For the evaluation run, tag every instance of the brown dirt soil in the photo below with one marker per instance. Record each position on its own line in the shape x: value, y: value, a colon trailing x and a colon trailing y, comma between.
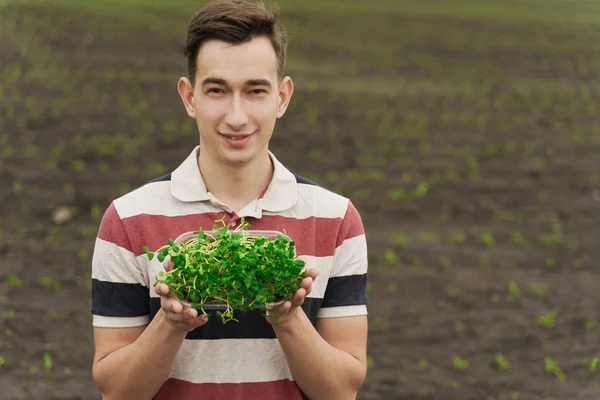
x: 439, y: 292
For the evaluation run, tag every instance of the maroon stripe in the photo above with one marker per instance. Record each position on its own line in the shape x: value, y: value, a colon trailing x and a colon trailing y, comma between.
x: 352, y: 225
x: 313, y: 236
x: 112, y: 229
x: 175, y: 389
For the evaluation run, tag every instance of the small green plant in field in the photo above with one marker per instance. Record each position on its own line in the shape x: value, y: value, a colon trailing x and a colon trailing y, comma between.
x: 392, y: 287
x: 231, y: 268
x: 513, y: 291
x: 589, y: 325
x: 14, y: 282
x: 370, y: 362
x: 49, y: 283
x: 455, y: 292
x: 550, y: 262
x: 459, y: 363
x: 403, y: 194
x: 458, y: 238
x: 95, y: 212
x: 547, y: 320
x: 17, y: 187
x: 519, y: 240
x: 400, y: 240
x: 444, y: 262
x: 538, y: 289
x: 390, y: 258
x: 2, y: 361
x: 9, y: 314
x: 484, y: 260
x: 459, y: 327
x: 428, y: 237
x: 592, y: 365
x: 451, y: 384
x: 83, y: 255
x: 47, y: 362
x: 487, y: 239
x: 502, y: 363
x: 422, y: 364
x: 553, y: 368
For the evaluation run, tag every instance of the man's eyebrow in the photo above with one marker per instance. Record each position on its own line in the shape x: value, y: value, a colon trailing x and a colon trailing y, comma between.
x: 258, y: 82
x: 250, y: 82
x: 214, y: 81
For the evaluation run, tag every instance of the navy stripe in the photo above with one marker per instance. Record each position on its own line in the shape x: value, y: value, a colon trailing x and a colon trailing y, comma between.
x: 112, y: 299
x: 301, y: 179
x: 252, y: 325
x: 345, y: 291
x: 163, y: 178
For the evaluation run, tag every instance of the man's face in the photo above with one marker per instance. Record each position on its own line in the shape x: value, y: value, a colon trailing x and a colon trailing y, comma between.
x: 236, y: 99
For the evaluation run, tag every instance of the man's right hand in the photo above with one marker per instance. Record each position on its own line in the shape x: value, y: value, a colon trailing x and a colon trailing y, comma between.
x: 182, y: 318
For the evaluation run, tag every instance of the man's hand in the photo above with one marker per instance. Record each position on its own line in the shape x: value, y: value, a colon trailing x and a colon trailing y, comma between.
x: 282, y: 313
x: 181, y: 318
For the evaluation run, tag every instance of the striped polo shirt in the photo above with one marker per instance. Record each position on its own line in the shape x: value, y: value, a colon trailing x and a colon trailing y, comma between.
x: 236, y: 360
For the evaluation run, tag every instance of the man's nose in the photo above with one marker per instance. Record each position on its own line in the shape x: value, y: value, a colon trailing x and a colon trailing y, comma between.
x: 236, y: 116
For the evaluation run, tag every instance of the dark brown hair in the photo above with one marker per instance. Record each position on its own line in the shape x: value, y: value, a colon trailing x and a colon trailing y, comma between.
x: 235, y: 22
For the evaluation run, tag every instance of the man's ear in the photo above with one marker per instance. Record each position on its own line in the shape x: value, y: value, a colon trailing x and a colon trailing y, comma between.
x: 186, y: 92
x: 286, y: 89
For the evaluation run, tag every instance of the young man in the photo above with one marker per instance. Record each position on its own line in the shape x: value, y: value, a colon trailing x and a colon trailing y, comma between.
x: 314, y: 345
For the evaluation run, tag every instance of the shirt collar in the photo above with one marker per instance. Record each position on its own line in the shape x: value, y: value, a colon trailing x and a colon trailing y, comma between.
x: 187, y: 184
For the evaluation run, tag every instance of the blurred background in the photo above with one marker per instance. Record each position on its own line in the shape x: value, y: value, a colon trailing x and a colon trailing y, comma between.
x: 467, y: 132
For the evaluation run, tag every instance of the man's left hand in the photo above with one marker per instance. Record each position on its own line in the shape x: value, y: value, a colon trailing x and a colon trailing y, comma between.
x: 284, y: 312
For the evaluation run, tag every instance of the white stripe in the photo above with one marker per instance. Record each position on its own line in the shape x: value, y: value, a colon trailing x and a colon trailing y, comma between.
x: 156, y: 199
x: 119, y: 322
x: 112, y: 263
x: 230, y: 361
x: 330, y: 205
x: 342, y: 311
x: 350, y: 258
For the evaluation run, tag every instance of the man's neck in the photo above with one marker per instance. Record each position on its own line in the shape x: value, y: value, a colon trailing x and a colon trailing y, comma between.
x: 233, y: 185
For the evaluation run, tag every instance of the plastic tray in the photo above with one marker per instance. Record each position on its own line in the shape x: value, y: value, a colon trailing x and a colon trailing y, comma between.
x: 245, y: 233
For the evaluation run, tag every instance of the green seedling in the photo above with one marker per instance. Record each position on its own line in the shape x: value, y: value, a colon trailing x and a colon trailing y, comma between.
x: 553, y: 368
x: 427, y: 237
x: 458, y: 238
x: 444, y: 262
x: 231, y: 268
x: 400, y: 240
x: 513, y: 291
x: 501, y: 362
x: 519, y: 240
x: 390, y: 257
x: 592, y: 365
x: 2, y: 361
x: 370, y: 362
x: 422, y: 364
x: 459, y: 327
x: 487, y: 239
x: 49, y: 283
x: 589, y: 325
x: 47, y: 361
x: 14, y: 282
x: 459, y: 363
x: 538, y: 289
x: 547, y: 320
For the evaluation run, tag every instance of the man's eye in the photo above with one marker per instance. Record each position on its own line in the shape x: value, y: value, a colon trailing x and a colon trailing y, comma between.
x: 258, y: 91
x: 215, y: 90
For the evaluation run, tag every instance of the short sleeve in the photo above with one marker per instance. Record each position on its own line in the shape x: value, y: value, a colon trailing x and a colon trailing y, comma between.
x: 120, y: 295
x: 345, y: 294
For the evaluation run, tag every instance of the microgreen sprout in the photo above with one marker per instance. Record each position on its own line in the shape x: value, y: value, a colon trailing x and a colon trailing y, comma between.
x: 232, y: 268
